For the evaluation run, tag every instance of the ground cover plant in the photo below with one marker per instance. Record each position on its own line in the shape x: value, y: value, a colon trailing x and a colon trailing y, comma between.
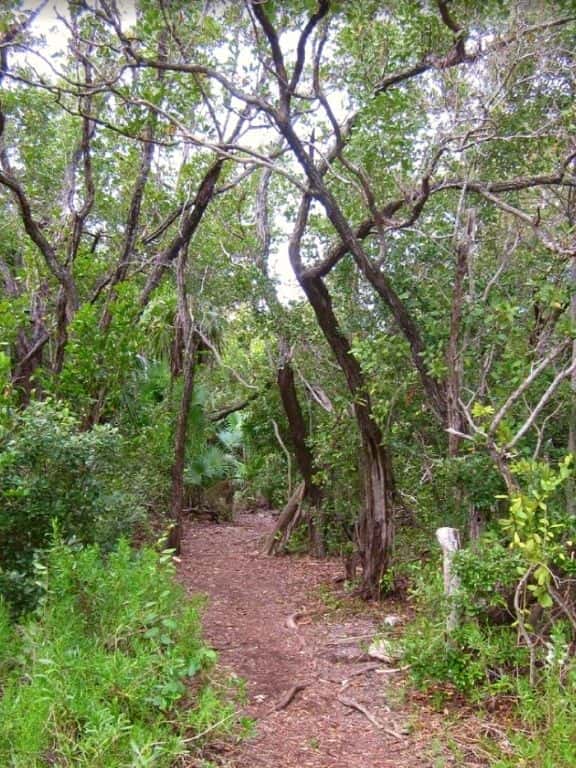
x: 102, y: 673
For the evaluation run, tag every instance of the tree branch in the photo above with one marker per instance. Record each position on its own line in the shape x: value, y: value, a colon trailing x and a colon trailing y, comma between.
x: 528, y: 381
x: 541, y: 404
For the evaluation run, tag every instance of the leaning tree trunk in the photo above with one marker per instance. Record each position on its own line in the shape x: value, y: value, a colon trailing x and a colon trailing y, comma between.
x: 312, y: 493
x: 299, y: 434
x: 376, y: 523
x: 375, y: 532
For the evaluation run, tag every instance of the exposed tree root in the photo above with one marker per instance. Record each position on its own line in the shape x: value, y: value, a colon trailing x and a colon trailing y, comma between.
x: 289, y: 516
x: 364, y: 670
x: 353, y: 704
x: 288, y: 697
x: 292, y: 620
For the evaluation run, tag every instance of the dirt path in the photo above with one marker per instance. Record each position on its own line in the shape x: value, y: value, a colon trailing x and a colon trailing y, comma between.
x: 248, y: 621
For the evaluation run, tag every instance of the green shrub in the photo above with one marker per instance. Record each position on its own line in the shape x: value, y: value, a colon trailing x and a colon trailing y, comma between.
x: 488, y: 575
x: 99, y: 677
x: 7, y: 638
x: 482, y: 657
x: 478, y: 657
x: 52, y: 471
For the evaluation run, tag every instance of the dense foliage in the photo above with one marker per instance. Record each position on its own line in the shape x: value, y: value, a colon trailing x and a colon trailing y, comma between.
x: 316, y: 252
x: 53, y: 476
x: 97, y: 677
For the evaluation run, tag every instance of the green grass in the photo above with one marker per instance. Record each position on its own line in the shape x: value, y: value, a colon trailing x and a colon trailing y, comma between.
x: 101, y: 675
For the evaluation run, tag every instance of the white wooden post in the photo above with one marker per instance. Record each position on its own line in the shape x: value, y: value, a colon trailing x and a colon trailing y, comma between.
x: 449, y: 540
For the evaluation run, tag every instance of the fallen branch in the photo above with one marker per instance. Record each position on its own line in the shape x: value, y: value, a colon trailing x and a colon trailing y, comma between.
x: 351, y: 639
x: 368, y: 668
x: 282, y: 527
x: 210, y: 728
x: 235, y: 407
x: 394, y: 670
x: 380, y: 669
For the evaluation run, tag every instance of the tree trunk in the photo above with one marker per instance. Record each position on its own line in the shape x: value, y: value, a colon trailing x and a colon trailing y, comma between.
x: 376, y: 526
x: 302, y: 452
x: 376, y: 529
x: 449, y: 540
x: 177, y: 496
x: 454, y: 417
x: 375, y: 532
x: 28, y: 353
x: 186, y: 334
x: 455, y: 421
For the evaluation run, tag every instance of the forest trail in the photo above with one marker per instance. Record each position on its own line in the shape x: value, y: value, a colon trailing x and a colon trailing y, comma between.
x: 254, y: 605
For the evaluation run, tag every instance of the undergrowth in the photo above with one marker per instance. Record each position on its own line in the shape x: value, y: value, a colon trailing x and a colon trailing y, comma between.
x: 53, y: 471
x: 111, y: 670
x: 483, y: 658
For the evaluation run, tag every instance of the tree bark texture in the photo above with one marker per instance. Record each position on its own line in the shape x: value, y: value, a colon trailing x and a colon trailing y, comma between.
x: 302, y: 452
x: 449, y: 540
x: 177, y: 496
x: 190, y: 339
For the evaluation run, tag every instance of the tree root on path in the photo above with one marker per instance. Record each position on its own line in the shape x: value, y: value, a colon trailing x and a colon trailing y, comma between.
x: 288, y: 697
x: 292, y: 620
x: 369, y: 668
x: 353, y: 704
x: 351, y: 639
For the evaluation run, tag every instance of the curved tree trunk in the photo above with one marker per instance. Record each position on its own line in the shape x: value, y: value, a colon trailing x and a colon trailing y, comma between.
x: 376, y: 523
x: 376, y: 528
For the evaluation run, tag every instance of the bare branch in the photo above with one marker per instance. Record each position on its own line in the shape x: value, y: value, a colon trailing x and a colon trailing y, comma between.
x: 541, y: 404
x: 34, y: 232
x: 323, y: 8
x: 528, y: 381
x: 221, y: 363
x: 277, y: 55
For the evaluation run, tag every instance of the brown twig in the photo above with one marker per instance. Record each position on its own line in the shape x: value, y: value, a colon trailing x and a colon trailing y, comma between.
x: 368, y: 668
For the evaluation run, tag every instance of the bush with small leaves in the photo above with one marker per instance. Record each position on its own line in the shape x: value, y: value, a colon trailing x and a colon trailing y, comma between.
x: 52, y: 472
